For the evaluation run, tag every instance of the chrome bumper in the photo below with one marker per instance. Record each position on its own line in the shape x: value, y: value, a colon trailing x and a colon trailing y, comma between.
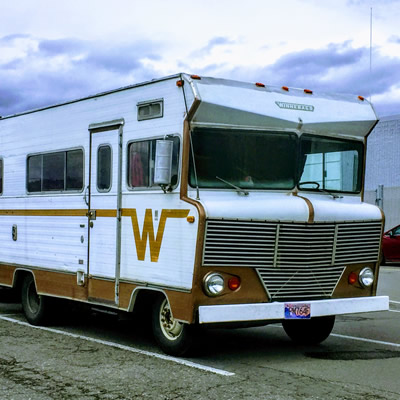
x: 276, y: 310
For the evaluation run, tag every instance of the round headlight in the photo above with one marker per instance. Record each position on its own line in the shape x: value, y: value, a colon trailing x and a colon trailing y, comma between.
x: 214, y: 284
x: 366, y: 277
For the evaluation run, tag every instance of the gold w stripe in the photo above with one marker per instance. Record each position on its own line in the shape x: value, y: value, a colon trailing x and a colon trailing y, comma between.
x: 148, y: 230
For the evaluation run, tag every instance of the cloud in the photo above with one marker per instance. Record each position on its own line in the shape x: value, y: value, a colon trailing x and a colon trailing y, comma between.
x: 61, y: 46
x: 38, y: 72
x: 337, y: 68
x: 213, y: 43
x: 394, y: 39
x: 53, y: 71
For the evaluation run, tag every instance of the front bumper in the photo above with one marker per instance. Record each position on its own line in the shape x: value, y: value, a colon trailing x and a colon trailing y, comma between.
x: 276, y: 310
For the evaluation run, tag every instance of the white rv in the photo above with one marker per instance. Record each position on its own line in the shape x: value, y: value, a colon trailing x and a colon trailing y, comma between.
x: 217, y: 201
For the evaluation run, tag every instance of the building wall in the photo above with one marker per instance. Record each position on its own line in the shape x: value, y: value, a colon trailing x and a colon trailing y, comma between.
x: 383, y: 169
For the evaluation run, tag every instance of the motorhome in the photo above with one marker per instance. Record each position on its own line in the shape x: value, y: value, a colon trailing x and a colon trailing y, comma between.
x: 213, y: 201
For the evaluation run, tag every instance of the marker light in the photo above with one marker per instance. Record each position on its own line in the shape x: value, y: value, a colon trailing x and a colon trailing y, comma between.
x: 353, y: 278
x: 195, y: 76
x: 234, y: 283
x: 180, y: 83
x: 285, y: 88
x: 214, y: 284
x: 361, y: 98
x: 308, y: 91
x: 190, y: 219
x: 366, y: 277
x: 259, y: 84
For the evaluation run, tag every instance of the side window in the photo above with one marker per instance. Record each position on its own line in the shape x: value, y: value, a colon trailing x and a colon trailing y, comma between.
x: 53, y: 171
x: 141, y: 158
x: 150, y: 109
x: 74, y: 173
x: 139, y: 164
x: 34, y: 174
x: 1, y: 176
x: 104, y: 168
x: 60, y: 171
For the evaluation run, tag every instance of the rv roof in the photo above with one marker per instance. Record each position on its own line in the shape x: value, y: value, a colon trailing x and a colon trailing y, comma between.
x: 230, y: 102
x: 175, y: 76
x: 233, y: 103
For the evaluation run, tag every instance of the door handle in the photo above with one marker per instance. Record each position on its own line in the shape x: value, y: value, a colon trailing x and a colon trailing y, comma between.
x: 85, y: 196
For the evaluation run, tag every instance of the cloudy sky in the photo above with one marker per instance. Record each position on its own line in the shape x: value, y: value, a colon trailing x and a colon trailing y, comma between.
x: 55, y: 50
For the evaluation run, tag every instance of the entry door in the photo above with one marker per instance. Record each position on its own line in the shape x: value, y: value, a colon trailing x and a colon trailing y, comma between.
x: 104, y: 212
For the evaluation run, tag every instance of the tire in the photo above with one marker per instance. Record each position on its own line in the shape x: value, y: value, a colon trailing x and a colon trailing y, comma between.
x: 309, y: 331
x: 35, y: 306
x: 173, y: 337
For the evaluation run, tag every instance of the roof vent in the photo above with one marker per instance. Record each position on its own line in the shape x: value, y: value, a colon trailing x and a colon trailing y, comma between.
x: 150, y: 109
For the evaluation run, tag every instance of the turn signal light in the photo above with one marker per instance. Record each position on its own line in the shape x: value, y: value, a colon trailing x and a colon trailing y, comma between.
x: 234, y: 283
x: 353, y: 278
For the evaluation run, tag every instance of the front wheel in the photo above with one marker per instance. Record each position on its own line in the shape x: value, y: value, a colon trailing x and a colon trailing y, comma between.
x: 173, y: 337
x: 309, y: 331
x: 35, y: 306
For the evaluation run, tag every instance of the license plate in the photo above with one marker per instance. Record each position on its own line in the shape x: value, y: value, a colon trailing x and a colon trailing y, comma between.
x: 297, y: 311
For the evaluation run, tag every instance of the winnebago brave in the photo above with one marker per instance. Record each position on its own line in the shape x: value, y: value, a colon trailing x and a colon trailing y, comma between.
x: 215, y: 201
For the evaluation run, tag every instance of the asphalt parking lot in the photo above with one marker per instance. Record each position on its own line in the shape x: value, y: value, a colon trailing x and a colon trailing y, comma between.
x: 90, y: 356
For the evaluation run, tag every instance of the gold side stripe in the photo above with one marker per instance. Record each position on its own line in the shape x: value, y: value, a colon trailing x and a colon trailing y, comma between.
x: 106, y: 213
x: 126, y: 212
x: 46, y: 213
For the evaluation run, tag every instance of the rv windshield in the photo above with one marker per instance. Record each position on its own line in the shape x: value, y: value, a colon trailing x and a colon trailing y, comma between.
x: 246, y: 159
x: 330, y: 164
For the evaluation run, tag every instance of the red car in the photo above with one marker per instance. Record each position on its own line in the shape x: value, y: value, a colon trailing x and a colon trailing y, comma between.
x: 391, y: 245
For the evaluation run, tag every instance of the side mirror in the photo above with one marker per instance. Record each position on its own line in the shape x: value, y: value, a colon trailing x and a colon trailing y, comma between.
x: 163, y: 163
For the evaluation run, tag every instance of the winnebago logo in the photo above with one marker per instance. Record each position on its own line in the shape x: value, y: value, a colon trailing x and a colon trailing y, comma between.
x: 294, y: 106
x: 147, y: 235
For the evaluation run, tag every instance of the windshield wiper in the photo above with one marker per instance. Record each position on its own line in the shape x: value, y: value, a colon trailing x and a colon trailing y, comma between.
x: 335, y: 196
x: 237, y: 188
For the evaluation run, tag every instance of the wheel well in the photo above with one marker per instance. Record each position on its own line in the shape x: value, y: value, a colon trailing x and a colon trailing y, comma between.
x: 143, y: 299
x: 19, y: 277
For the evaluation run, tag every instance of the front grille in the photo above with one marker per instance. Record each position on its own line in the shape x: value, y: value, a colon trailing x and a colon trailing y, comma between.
x: 293, y: 260
x: 300, y: 283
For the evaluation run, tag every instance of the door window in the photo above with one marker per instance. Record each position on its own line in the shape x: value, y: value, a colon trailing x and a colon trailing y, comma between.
x: 104, y: 168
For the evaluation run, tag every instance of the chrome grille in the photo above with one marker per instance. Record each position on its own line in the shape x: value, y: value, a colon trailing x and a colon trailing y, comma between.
x: 293, y: 260
x: 358, y: 242
x: 301, y: 244
x: 300, y: 283
x: 263, y: 244
x: 237, y: 243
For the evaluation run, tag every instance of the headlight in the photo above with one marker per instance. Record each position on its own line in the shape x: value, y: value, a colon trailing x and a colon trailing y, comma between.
x: 366, y: 277
x: 214, y: 284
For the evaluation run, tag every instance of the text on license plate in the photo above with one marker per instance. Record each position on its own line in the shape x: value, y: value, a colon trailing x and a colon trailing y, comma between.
x: 297, y: 311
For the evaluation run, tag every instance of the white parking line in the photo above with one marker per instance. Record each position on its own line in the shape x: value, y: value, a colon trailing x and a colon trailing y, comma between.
x: 126, y: 348
x: 366, y: 340
x: 354, y: 338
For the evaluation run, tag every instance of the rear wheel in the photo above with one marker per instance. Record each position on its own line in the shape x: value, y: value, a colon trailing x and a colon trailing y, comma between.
x: 309, y: 331
x: 35, y: 306
x: 173, y: 337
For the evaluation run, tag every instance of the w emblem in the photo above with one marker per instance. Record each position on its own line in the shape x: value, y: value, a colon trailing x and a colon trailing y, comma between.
x: 148, y: 231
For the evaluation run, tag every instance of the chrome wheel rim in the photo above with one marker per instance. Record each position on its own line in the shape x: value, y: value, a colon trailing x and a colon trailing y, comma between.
x: 170, y: 327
